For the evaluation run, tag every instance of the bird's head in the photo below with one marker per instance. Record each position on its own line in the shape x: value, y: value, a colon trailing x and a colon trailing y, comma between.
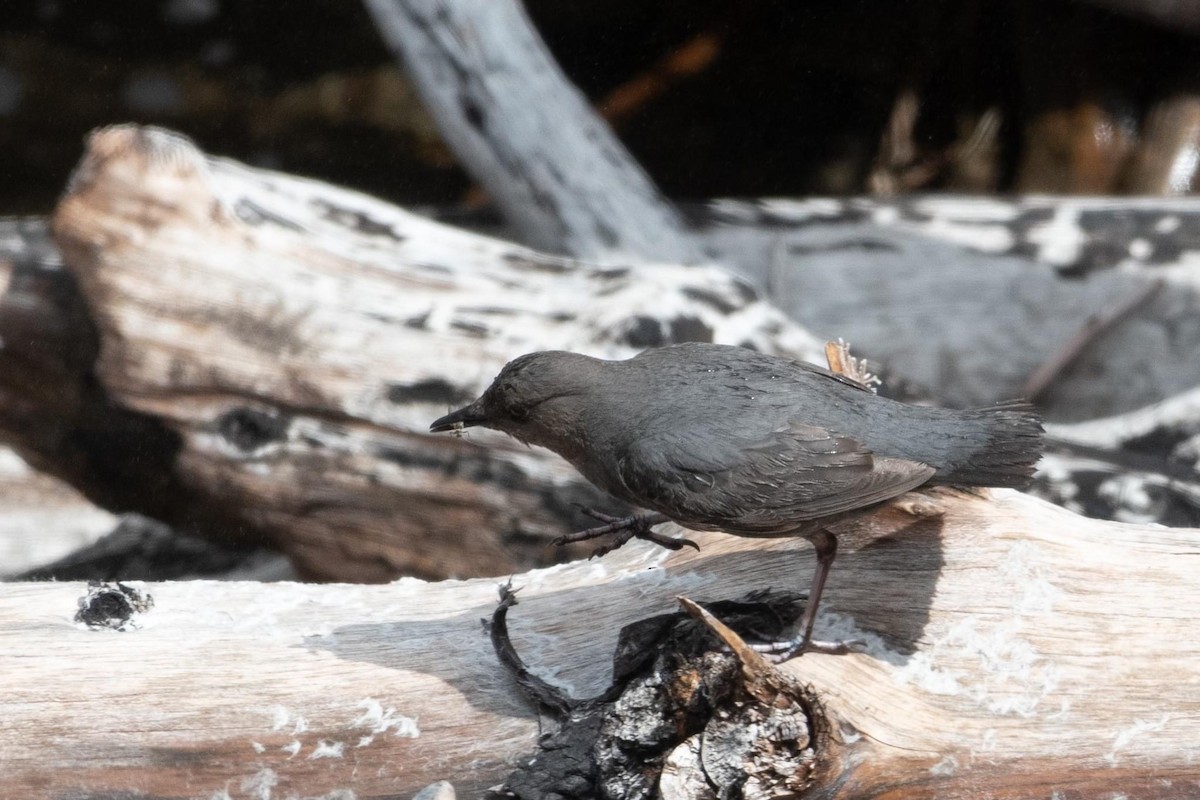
x: 537, y: 398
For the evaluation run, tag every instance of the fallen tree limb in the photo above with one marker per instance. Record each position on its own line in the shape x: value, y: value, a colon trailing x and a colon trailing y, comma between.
x: 968, y: 297
x: 289, y: 342
x: 1014, y: 650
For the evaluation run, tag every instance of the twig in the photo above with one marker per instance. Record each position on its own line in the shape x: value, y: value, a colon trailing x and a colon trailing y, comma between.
x: 1096, y: 326
x: 550, y: 697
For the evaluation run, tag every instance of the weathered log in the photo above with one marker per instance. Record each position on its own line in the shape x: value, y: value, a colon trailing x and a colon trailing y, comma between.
x: 968, y: 296
x: 559, y: 174
x: 56, y: 415
x: 292, y: 341
x: 124, y: 456
x: 1014, y: 650
x: 1142, y: 466
x: 963, y: 298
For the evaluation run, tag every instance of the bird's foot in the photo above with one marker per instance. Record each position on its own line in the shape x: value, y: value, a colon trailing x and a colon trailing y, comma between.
x: 622, y: 529
x: 786, y: 649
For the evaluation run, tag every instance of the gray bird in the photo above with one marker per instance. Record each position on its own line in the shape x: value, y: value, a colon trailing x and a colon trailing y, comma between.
x: 724, y: 438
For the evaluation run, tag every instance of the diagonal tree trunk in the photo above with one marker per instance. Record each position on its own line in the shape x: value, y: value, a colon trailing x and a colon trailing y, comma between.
x: 554, y: 167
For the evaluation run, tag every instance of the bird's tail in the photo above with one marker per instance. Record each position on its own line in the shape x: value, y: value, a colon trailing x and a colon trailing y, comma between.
x: 1012, y: 434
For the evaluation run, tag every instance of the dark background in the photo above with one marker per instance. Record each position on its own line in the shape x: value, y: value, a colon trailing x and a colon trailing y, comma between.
x: 714, y: 97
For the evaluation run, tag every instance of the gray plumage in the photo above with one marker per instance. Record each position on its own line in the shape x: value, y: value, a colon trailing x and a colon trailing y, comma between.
x: 725, y: 438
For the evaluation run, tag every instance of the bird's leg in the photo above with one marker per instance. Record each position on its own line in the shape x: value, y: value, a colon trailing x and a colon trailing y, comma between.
x: 623, y: 529
x: 826, y: 546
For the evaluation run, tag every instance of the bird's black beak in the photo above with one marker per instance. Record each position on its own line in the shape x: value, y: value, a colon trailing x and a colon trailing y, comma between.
x: 466, y: 417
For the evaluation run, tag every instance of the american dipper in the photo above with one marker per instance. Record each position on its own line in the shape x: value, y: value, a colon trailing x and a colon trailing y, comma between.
x: 725, y: 438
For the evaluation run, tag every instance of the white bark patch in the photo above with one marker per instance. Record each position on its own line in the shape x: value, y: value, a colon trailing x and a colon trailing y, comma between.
x: 375, y: 719
x: 327, y: 748
x: 260, y: 785
x: 282, y: 719
x: 1139, y: 728
x: 947, y: 766
x: 1060, y: 240
x: 1012, y: 678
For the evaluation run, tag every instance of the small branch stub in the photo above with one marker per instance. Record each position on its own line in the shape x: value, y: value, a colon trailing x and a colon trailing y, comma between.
x: 767, y: 739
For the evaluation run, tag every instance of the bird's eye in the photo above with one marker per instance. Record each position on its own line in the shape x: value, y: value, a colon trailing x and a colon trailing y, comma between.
x: 511, y: 406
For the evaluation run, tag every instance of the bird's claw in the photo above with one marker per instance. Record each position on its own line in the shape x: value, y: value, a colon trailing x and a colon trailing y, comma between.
x: 622, y: 529
x: 600, y: 515
x: 669, y: 542
x: 778, y: 652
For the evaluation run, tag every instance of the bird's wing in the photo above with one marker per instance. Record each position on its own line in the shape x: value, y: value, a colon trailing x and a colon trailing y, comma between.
x: 796, y: 474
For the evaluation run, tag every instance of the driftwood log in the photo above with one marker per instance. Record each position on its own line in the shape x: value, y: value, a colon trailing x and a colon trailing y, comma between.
x: 280, y: 347
x: 966, y: 298
x: 217, y: 451
x: 1014, y: 650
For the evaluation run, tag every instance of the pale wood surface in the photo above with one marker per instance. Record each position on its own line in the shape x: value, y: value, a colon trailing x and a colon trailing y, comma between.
x: 1015, y: 650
